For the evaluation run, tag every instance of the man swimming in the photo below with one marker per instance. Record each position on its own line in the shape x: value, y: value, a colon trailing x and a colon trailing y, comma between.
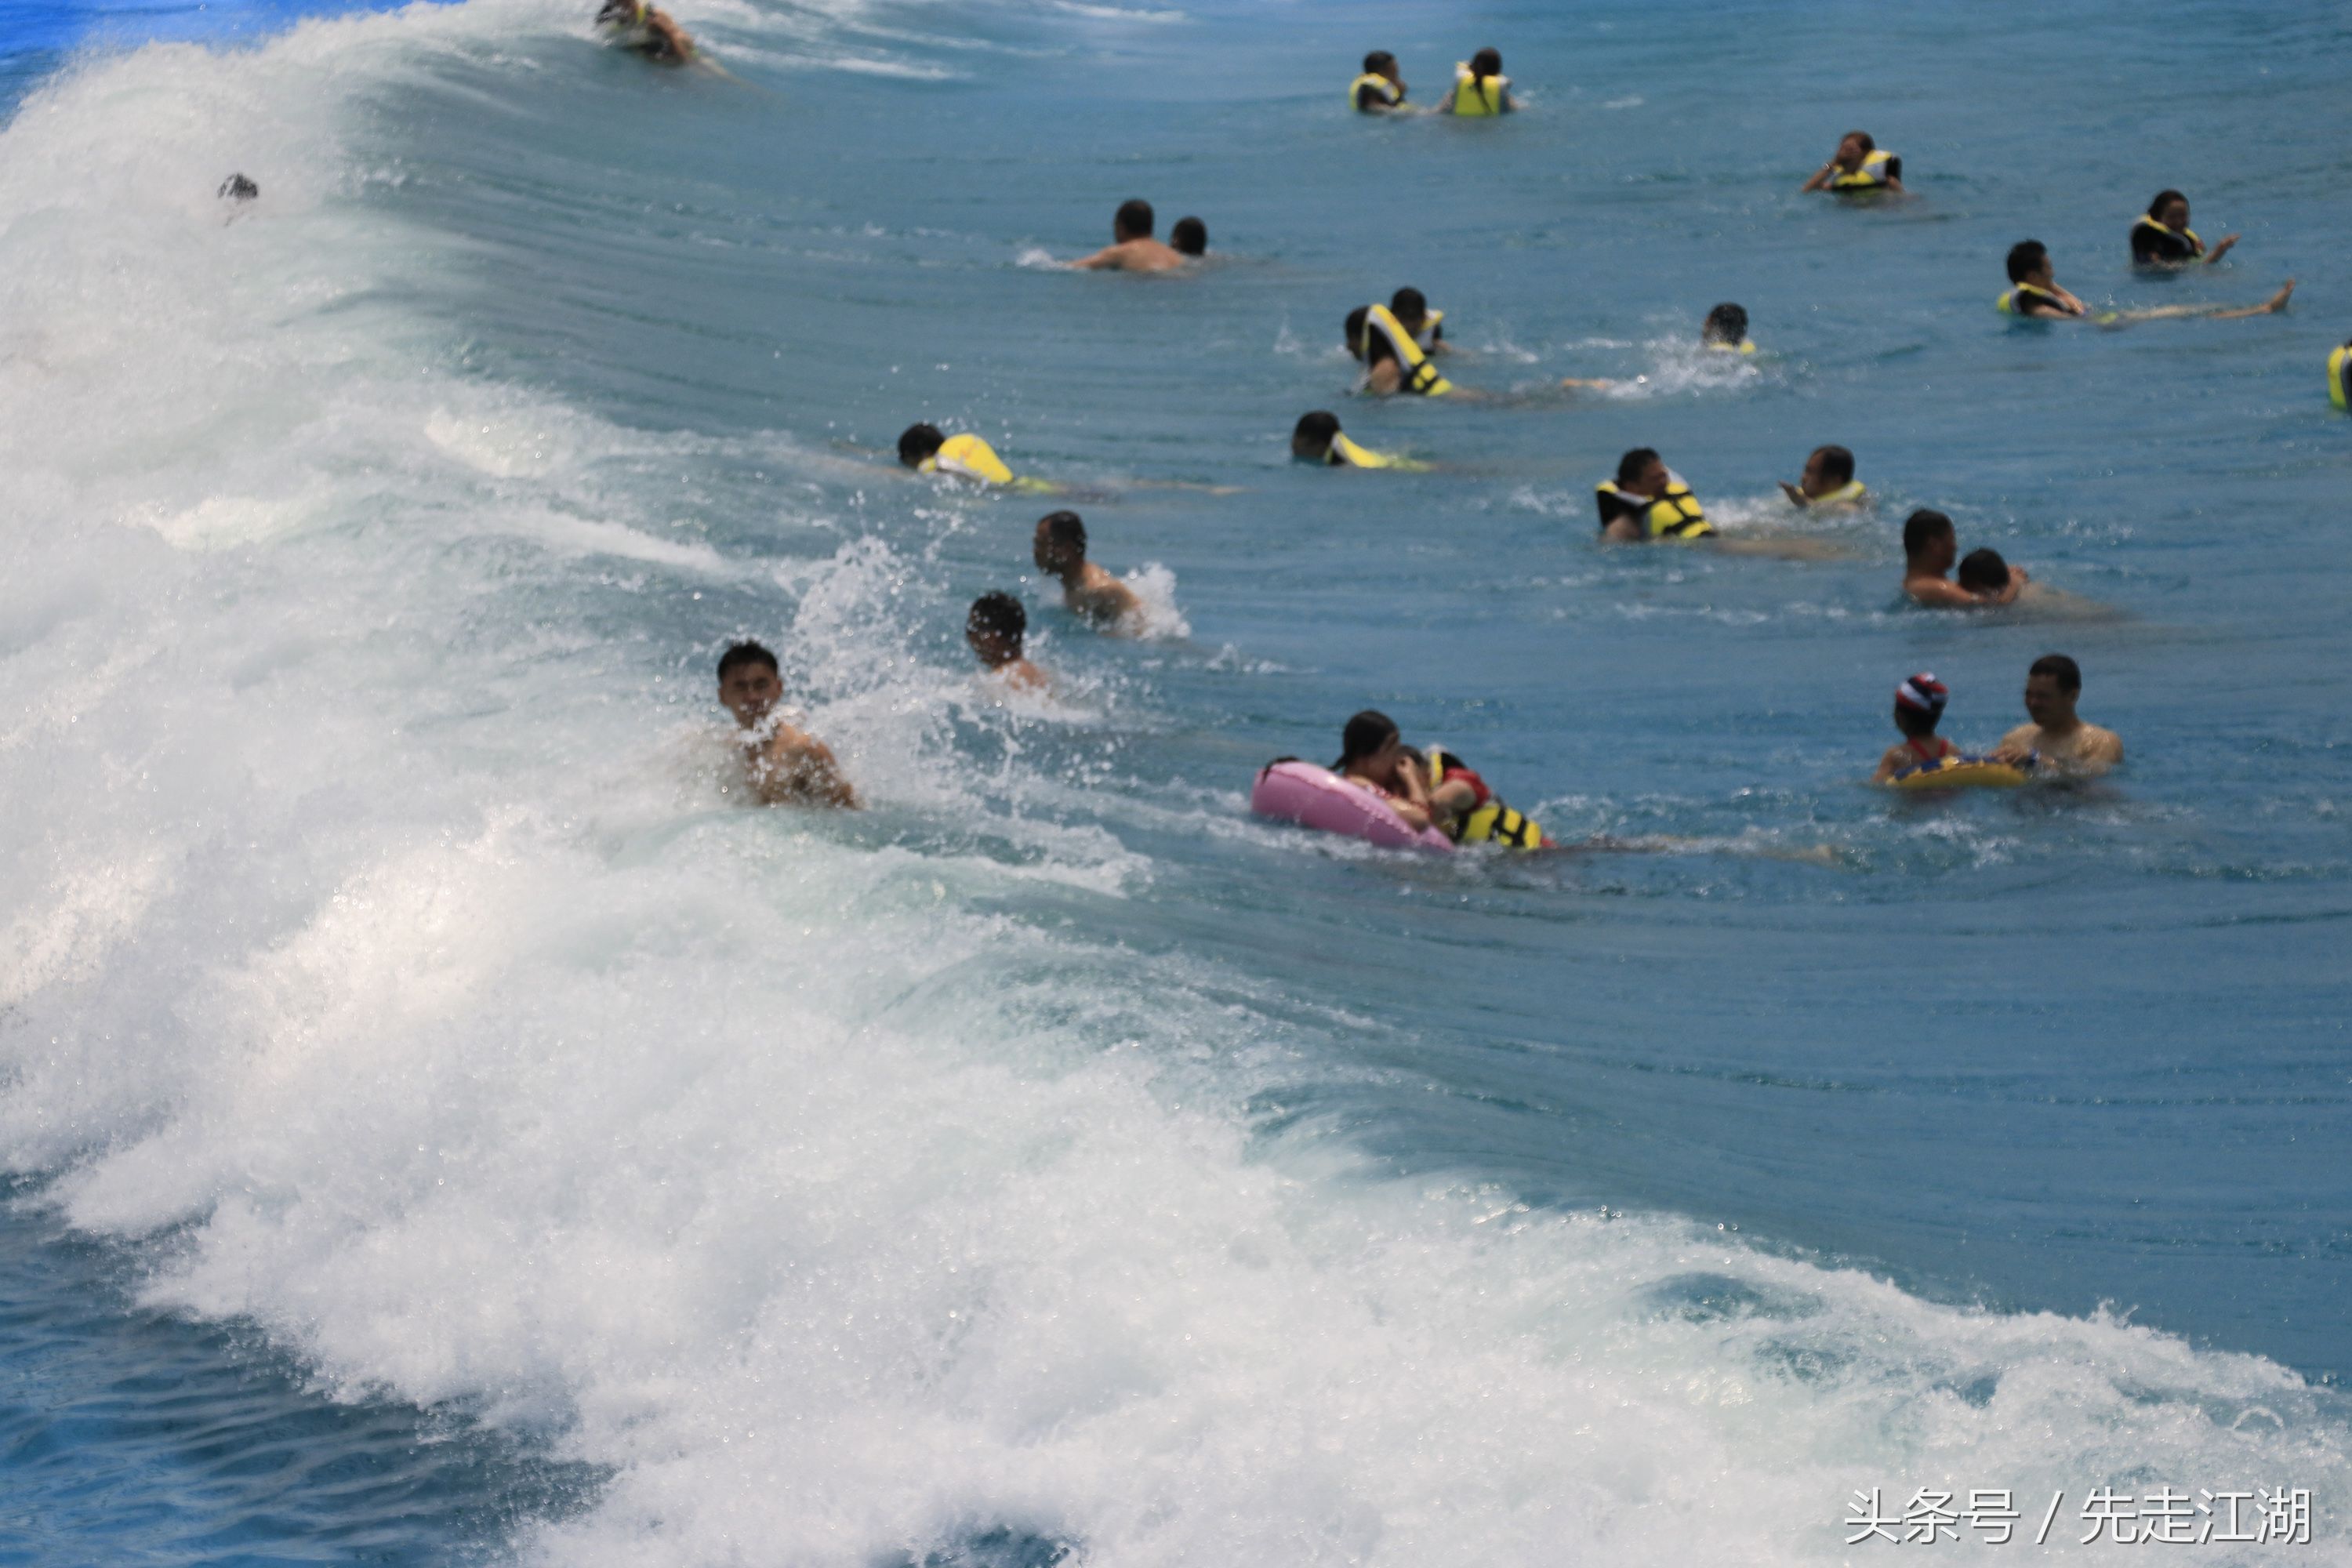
x: 1828, y: 483
x: 1858, y: 168
x: 1480, y: 88
x: 648, y: 30
x: 1088, y: 591
x: 1724, y: 331
x: 2034, y: 295
x: 1380, y: 89
x: 996, y: 629
x: 1317, y: 438
x: 1190, y: 236
x: 1133, y: 248
x: 2161, y: 235
x: 781, y: 764
x: 1647, y: 500
x: 1930, y: 545
x: 1918, y: 707
x: 1395, y: 361
x: 2058, y: 741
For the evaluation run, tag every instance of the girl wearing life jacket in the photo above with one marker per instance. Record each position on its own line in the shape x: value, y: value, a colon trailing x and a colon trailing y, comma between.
x: 2161, y: 235
x: 1393, y: 361
x: 1467, y: 811
x: 1480, y: 88
x: 1380, y: 89
x: 1647, y: 501
x: 1859, y: 167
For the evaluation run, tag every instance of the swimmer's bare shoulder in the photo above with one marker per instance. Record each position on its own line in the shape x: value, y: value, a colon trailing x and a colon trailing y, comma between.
x: 794, y: 767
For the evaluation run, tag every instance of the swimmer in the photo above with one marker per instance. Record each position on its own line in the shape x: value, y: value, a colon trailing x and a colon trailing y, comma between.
x: 781, y: 764
x: 1380, y: 89
x: 1919, y: 709
x: 925, y: 449
x: 1133, y: 248
x: 237, y: 188
x: 1724, y: 331
x: 1828, y: 483
x: 2058, y: 741
x: 996, y: 629
x: 2161, y: 236
x: 1480, y: 88
x: 1088, y: 592
x: 1466, y: 810
x: 1372, y: 756
x: 648, y: 30
x: 1410, y: 308
x: 1648, y: 500
x: 1190, y: 236
x: 1858, y: 168
x: 1393, y: 361
x: 2339, y: 376
x: 1930, y: 545
x: 1982, y: 572
x: 2035, y: 295
x: 1317, y: 438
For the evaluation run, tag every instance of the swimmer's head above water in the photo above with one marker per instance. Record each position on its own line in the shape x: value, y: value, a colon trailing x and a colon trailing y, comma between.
x: 996, y: 629
x: 1982, y: 572
x: 1189, y: 237
x: 1827, y: 468
x: 1369, y: 744
x: 1929, y: 540
x: 2053, y: 684
x: 2029, y: 262
x: 1919, y: 705
x: 1060, y: 546
x: 1134, y: 220
x: 1353, y: 330
x: 1642, y: 472
x: 1726, y: 328
x: 918, y: 444
x: 237, y: 188
x: 1311, y: 437
x: 749, y: 684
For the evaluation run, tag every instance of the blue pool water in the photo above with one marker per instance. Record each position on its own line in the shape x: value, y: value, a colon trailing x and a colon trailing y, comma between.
x: 410, y: 1049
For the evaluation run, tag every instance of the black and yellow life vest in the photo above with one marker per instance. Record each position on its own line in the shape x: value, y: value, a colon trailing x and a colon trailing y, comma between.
x: 1475, y: 96
x: 1381, y: 87
x: 1417, y: 374
x: 2195, y: 245
x: 2339, y: 377
x: 1491, y: 822
x: 969, y: 458
x: 1871, y: 176
x: 1674, y: 515
x: 2012, y: 301
x: 1346, y: 454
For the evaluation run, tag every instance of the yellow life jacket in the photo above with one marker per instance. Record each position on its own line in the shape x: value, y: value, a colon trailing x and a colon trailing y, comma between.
x: 969, y: 458
x: 1490, y: 823
x: 1427, y: 336
x: 2339, y: 377
x: 1419, y: 374
x: 2187, y: 234
x: 1674, y: 515
x: 1744, y: 346
x: 1346, y: 454
x: 1849, y: 493
x: 1871, y: 176
x: 1473, y: 97
x: 1387, y: 91
x: 2012, y: 302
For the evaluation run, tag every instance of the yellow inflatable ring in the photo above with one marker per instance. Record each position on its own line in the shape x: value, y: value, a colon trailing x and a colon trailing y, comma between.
x: 1957, y: 772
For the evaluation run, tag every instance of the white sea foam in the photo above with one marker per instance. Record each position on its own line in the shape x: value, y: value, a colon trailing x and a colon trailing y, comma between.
x: 759, y: 1155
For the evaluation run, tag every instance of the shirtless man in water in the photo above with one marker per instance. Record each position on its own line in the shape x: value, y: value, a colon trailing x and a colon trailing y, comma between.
x: 1088, y: 592
x: 997, y: 631
x: 1930, y: 548
x: 2059, y: 740
x: 781, y: 764
x: 1133, y: 248
x: 648, y: 29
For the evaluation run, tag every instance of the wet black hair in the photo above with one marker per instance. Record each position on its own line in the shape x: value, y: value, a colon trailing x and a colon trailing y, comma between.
x: 1366, y: 732
x: 1863, y: 137
x: 2163, y: 200
x: 1190, y: 235
x: 1318, y: 427
x: 1379, y: 62
x: 1837, y: 463
x: 917, y: 442
x: 743, y: 653
x: 1916, y: 721
x: 2064, y: 670
x: 1066, y: 527
x: 1923, y: 528
x: 1982, y: 572
x: 1409, y: 304
x: 1726, y: 324
x: 999, y: 614
x: 1134, y: 219
x: 1486, y: 63
x: 1354, y: 330
x: 2025, y: 258
x: 237, y: 188
x: 1631, y: 465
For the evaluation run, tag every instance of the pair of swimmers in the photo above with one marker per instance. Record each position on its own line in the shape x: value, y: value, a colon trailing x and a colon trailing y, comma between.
x: 997, y: 626
x: 1399, y: 343
x: 2056, y: 741
x: 1133, y: 249
x: 1429, y: 787
x: 1480, y: 88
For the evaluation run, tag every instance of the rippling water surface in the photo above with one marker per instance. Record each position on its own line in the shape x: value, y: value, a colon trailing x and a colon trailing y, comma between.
x: 449, y: 1126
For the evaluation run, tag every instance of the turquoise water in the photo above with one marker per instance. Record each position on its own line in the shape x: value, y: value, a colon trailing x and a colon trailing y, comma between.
x: 1052, y: 1155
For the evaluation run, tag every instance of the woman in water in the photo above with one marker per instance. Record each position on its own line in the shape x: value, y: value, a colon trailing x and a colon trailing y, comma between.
x: 1480, y: 88
x: 1372, y: 756
x: 2162, y: 237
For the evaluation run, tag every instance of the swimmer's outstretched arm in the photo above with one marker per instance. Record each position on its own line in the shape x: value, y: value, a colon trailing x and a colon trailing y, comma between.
x: 1104, y: 261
